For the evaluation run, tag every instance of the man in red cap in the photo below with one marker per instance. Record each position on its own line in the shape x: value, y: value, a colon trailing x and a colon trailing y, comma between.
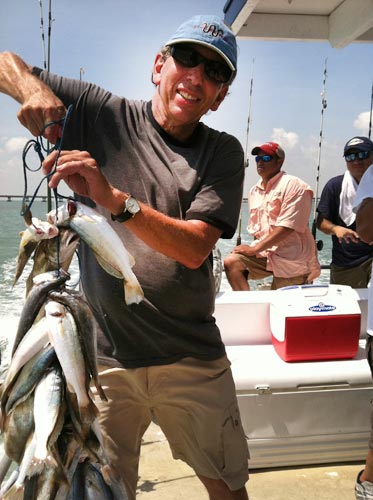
x: 279, y: 211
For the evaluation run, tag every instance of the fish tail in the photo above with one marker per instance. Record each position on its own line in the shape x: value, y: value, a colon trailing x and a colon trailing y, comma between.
x: 133, y: 293
x: 36, y: 466
x: 100, y: 390
x: 88, y: 413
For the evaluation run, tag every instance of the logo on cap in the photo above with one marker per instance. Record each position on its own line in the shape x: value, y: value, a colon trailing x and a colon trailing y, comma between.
x: 355, y: 141
x: 212, y: 29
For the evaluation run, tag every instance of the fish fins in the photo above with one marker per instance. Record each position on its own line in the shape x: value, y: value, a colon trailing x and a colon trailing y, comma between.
x: 88, y: 413
x: 100, y: 390
x: 108, y: 268
x: 25, y: 252
x: 133, y: 293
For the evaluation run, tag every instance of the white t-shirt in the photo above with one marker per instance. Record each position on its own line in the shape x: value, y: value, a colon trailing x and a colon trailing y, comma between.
x: 365, y: 190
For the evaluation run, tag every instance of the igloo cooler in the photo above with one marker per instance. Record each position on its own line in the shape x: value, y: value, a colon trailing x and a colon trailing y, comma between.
x: 315, y: 322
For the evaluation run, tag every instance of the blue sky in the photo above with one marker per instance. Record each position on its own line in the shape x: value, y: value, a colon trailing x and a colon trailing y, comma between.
x: 115, y: 41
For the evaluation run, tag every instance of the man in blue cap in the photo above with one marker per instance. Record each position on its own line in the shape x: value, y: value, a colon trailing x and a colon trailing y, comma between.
x: 351, y: 258
x: 171, y: 187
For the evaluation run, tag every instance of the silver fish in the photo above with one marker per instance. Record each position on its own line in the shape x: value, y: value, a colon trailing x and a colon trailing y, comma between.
x: 106, y: 244
x: 53, y: 254
x: 33, y: 341
x: 27, y: 379
x: 17, y: 429
x: 63, y: 335
x: 17, y: 488
x: 36, y: 231
x: 49, y: 414
x: 87, y: 329
x: 35, y: 300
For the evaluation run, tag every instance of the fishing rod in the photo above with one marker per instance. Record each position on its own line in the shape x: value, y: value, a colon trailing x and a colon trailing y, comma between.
x: 246, y: 146
x: 371, y: 109
x: 42, y: 34
x: 319, y: 243
x: 49, y: 34
x: 46, y: 64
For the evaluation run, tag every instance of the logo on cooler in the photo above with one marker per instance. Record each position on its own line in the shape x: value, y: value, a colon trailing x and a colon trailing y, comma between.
x: 321, y: 307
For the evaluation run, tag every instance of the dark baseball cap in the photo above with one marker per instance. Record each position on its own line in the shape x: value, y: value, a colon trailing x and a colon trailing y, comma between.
x: 359, y: 143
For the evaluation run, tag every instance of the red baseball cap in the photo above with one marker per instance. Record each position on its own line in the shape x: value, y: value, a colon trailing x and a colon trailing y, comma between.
x: 270, y: 148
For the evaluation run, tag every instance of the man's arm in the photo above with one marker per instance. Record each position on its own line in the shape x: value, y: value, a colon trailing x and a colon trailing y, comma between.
x: 364, y: 217
x: 39, y: 105
x: 276, y: 237
x: 188, y: 242
x: 342, y: 233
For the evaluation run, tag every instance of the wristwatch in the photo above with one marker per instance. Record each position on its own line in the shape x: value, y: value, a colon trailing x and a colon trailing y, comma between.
x: 131, y: 208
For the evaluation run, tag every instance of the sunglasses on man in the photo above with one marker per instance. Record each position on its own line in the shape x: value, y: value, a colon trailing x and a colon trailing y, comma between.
x: 216, y: 71
x: 361, y: 155
x: 265, y: 158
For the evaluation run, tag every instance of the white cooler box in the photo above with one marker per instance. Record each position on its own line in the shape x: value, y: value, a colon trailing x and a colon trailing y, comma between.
x: 315, y: 322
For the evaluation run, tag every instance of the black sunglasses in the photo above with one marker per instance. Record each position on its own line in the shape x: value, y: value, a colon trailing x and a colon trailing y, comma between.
x: 361, y: 155
x: 216, y: 71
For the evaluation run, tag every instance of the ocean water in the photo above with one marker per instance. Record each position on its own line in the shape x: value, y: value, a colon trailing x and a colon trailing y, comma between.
x: 12, y: 223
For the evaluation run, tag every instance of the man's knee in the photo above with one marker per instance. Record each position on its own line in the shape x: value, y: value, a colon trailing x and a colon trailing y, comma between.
x: 232, y: 262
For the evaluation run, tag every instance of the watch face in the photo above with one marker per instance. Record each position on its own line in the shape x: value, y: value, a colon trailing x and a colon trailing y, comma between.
x: 132, y: 205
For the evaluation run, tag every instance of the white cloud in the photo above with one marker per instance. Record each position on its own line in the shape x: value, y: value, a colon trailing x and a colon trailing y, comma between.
x: 362, y: 122
x: 287, y: 140
x: 14, y: 144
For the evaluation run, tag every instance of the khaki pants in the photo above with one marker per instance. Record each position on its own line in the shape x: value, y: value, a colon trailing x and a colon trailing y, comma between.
x: 193, y: 401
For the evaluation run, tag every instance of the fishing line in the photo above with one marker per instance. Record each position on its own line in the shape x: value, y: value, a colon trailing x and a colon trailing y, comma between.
x: 319, y: 243
x: 39, y: 147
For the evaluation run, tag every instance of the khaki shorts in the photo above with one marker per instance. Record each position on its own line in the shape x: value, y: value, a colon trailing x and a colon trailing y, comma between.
x: 257, y: 269
x: 195, y: 404
x: 356, y: 277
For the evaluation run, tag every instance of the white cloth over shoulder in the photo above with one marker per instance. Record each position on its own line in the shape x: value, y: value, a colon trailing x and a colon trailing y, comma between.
x: 346, y: 199
x: 365, y: 188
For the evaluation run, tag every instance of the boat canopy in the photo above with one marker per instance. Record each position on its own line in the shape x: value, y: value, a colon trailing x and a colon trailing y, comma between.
x: 340, y: 22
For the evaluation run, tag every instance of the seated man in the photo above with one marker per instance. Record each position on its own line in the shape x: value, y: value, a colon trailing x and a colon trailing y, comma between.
x: 279, y: 212
x: 351, y: 258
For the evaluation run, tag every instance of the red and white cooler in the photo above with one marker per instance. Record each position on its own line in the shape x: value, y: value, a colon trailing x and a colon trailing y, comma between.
x: 315, y: 322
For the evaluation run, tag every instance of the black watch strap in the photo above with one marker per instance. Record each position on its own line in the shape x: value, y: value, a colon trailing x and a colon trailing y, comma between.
x: 125, y: 215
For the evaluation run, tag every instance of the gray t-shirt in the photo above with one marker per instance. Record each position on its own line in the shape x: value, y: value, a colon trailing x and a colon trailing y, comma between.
x: 201, y: 179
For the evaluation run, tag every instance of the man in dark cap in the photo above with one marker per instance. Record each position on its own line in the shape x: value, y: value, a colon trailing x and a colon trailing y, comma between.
x: 171, y: 187
x: 279, y: 211
x: 351, y: 258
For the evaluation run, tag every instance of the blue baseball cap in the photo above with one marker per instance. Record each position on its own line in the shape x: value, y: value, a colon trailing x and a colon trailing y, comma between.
x: 359, y: 143
x: 210, y: 31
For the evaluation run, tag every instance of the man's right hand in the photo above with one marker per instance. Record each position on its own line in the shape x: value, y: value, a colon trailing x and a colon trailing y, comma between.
x: 40, y: 110
x: 39, y: 105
